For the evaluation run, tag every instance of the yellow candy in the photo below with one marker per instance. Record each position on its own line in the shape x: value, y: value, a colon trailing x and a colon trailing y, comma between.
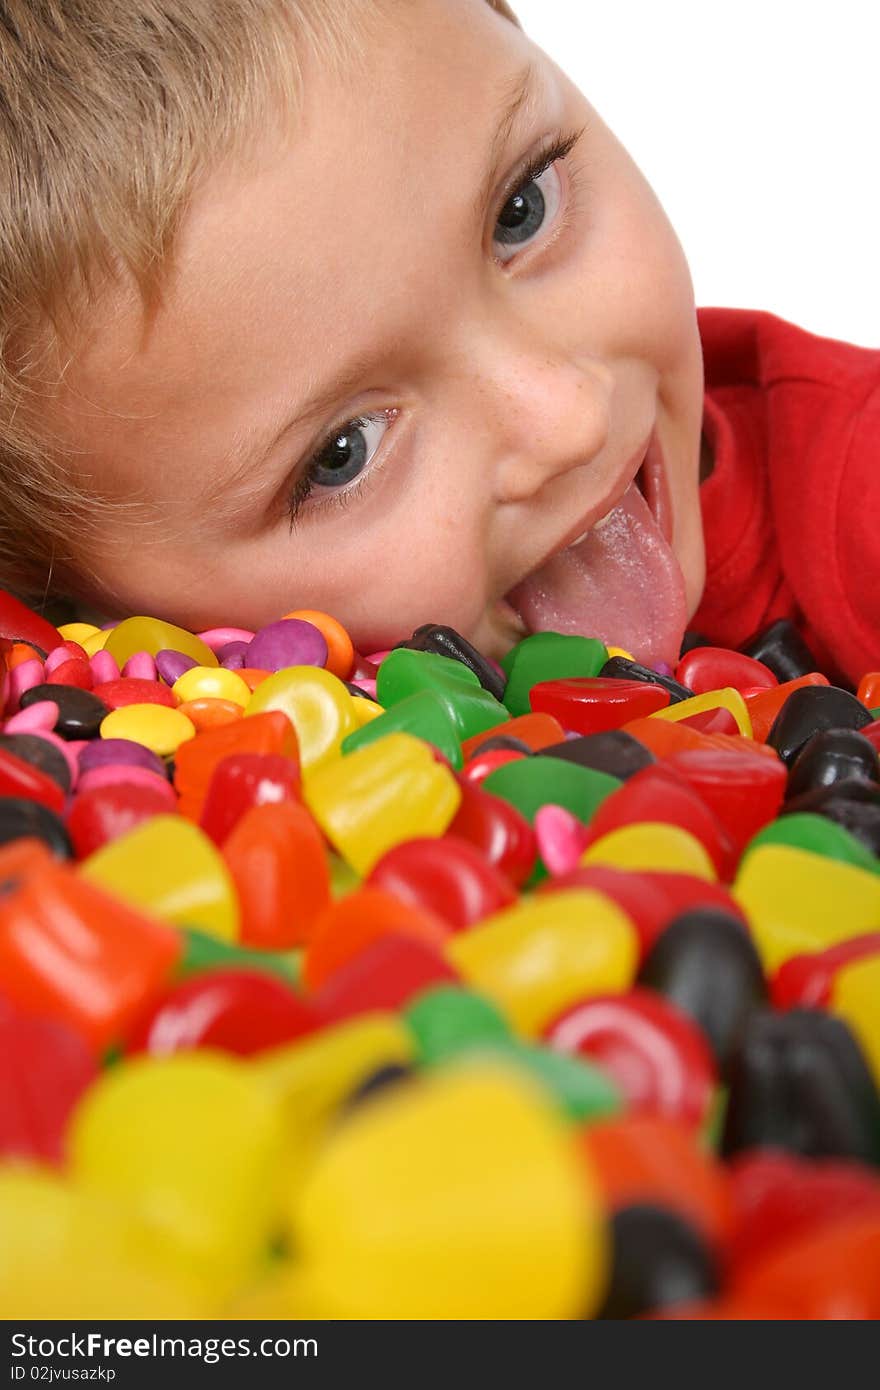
x: 314, y: 1074
x: 169, y: 867
x: 458, y: 1196
x: 70, y: 1254
x: 374, y: 798
x: 316, y: 703
x: 213, y: 683
x: 364, y: 711
x: 78, y: 632
x: 153, y: 635
x: 650, y: 845
x: 190, y: 1144
x: 96, y: 643
x: 540, y: 956
x: 855, y: 997
x: 619, y: 651
x: 796, y: 901
x: 728, y: 698
x: 155, y: 726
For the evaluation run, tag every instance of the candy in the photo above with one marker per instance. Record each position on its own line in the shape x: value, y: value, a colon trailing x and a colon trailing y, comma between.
x: 500, y: 989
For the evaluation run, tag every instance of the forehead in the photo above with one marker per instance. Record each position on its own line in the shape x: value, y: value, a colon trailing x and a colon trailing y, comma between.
x: 339, y: 235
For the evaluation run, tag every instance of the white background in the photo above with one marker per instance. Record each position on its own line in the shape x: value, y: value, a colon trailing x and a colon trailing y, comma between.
x: 758, y: 126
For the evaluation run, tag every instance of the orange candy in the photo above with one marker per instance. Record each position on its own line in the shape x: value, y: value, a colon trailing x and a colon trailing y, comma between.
x: 869, y: 690
x: 19, y: 652
x: 764, y: 705
x: 340, y: 651
x: 253, y: 676
x: 196, y: 759
x: 651, y: 1160
x: 832, y: 1272
x: 537, y: 730
x: 210, y: 713
x: 358, y: 919
x: 277, y: 859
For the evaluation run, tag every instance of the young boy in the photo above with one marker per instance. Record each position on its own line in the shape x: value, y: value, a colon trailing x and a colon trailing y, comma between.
x: 358, y: 305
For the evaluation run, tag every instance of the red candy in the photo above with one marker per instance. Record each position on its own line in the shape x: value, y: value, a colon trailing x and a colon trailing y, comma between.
x: 18, y: 778
x: 235, y: 1010
x: 387, y: 974
x: 101, y: 814
x: 713, y: 668
x: 134, y: 690
x: 448, y: 877
x: 497, y: 829
x: 44, y: 1069
x: 593, y: 704
x: 278, y: 862
x: 244, y: 780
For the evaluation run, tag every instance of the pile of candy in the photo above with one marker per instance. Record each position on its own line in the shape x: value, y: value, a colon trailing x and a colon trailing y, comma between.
x: 406, y: 985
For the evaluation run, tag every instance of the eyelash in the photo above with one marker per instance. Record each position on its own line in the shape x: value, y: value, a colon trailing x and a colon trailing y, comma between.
x: 557, y: 147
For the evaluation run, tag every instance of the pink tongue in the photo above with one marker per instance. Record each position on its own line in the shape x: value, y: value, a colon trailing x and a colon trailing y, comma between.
x: 622, y: 583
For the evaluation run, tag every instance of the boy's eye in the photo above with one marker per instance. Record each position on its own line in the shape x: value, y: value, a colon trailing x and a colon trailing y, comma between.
x: 523, y: 215
x: 345, y: 455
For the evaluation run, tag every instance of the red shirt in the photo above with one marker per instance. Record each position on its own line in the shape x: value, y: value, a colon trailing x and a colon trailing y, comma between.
x: 791, y: 513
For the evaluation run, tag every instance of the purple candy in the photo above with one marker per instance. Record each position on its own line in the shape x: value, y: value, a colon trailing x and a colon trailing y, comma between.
x: 662, y: 668
x: 171, y: 665
x: 106, y: 752
x: 232, y: 656
x: 290, y: 642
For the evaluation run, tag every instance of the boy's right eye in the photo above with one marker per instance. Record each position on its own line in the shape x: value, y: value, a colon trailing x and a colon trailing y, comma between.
x: 524, y: 213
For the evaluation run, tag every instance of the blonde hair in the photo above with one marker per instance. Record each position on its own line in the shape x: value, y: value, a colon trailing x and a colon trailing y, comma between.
x: 110, y: 110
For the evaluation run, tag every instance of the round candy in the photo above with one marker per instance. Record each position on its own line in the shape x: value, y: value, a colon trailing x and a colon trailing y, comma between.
x: 79, y: 711
x: 290, y: 642
x: 206, y: 683
x: 158, y: 728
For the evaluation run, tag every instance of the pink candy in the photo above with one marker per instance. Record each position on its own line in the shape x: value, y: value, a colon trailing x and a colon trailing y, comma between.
x: 127, y: 774
x: 142, y: 666
x: 561, y: 837
x: 365, y: 684
x: 104, y: 667
x: 217, y: 637
x: 22, y: 677
x: 34, y: 719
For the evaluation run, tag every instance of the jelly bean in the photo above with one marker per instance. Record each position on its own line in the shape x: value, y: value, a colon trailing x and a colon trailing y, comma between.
x: 362, y: 689
x: 35, y: 718
x: 626, y: 669
x: 23, y: 819
x: 448, y: 877
x: 168, y: 867
x: 275, y: 855
x: 132, y: 690
x: 537, y: 957
x: 706, y: 965
x: 616, y: 753
x: 445, y: 641
x: 829, y: 1273
x: 17, y: 653
x: 796, y: 901
x: 71, y: 952
x: 868, y: 692
x: 104, y: 668
x: 461, y: 1194
x: 648, y: 1160
x: 778, y: 1197
x: 23, y: 678
x: 818, y: 835
x: 385, y: 975
x: 854, y: 995
x: 497, y: 829
x: 317, y: 705
x: 658, y: 1259
x: 712, y: 668
x: 204, y: 1187
x: 373, y: 799
x: 140, y: 666
x: 660, y: 795
x: 658, y: 1056
x: 96, y: 643
x: 77, y: 632
x: 101, y: 814
x: 806, y: 981
x: 799, y: 1081
x: 171, y: 665
x: 346, y: 927
x: 781, y: 648
x: 22, y: 624
x: 594, y: 705
x: 765, y: 705
x: 727, y: 699
x: 810, y: 710
x: 289, y: 642
x: 73, y: 672
x: 447, y: 1021
x: 340, y: 652
x: 530, y: 783
x: 44, y: 1068
x: 22, y: 780
x: 40, y: 754
x: 158, y: 728
x: 743, y: 790
x: 561, y: 838
x: 241, y: 781
x: 311, y: 1077
x: 426, y: 715
x: 835, y: 755
x: 153, y: 635
x: 533, y: 731
x: 651, y: 845
x: 233, y: 1010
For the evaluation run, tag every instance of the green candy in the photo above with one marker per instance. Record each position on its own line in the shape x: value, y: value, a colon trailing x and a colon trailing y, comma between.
x: 581, y: 1090
x: 427, y: 714
x: 203, y: 952
x: 447, y: 1020
x: 818, y: 835
x: 530, y: 783
x: 405, y: 672
x: 548, y: 656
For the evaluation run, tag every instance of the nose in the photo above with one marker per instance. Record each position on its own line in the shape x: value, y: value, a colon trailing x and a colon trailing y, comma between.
x: 544, y: 415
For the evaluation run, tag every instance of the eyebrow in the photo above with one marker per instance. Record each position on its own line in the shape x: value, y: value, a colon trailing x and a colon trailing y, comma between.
x: 516, y: 99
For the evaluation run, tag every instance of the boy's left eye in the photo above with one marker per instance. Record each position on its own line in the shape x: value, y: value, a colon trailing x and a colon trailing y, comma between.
x: 525, y: 211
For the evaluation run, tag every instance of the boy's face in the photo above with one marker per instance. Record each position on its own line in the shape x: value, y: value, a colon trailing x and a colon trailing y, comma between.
x: 517, y: 358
